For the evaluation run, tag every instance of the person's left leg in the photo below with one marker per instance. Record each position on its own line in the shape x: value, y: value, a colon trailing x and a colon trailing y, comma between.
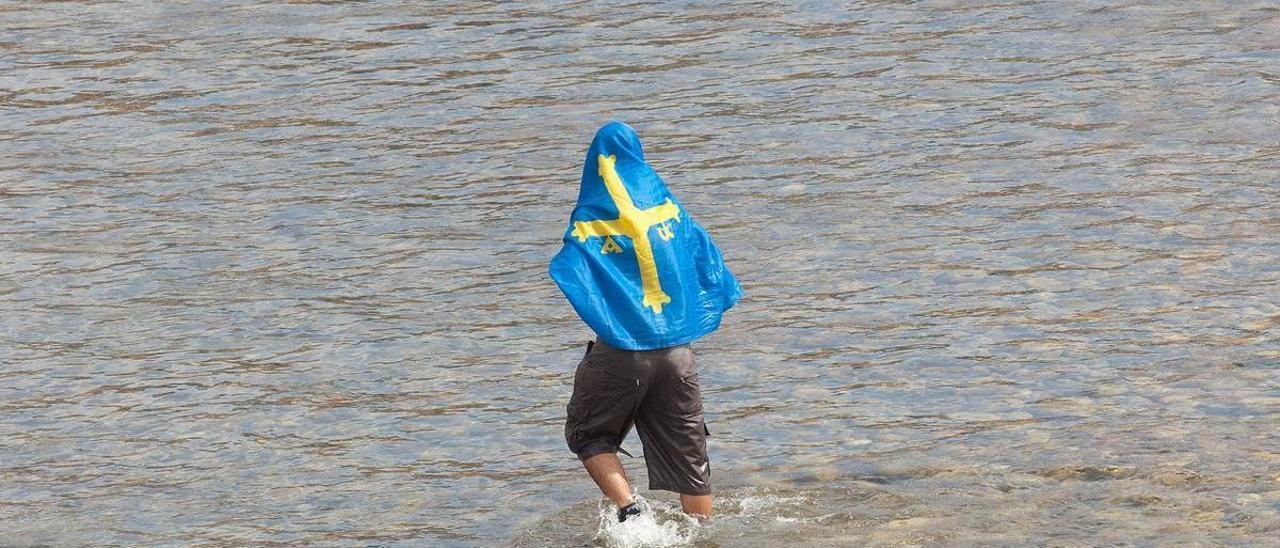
x: 608, y: 388
x: 606, y: 470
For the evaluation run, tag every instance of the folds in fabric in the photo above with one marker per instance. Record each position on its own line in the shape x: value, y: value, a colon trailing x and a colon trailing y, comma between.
x: 635, y: 266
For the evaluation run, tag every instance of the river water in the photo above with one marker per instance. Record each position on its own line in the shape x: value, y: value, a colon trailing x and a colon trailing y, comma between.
x: 275, y: 272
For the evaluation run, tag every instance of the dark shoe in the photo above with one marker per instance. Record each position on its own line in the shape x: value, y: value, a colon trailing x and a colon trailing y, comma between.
x: 629, y: 510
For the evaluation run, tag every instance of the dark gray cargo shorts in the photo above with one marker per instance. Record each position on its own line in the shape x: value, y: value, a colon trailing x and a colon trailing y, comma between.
x: 657, y: 391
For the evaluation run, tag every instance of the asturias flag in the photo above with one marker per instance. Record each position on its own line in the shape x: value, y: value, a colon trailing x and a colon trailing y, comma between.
x: 635, y: 266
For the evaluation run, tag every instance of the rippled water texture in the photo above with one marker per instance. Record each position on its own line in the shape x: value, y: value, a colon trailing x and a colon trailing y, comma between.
x: 276, y: 272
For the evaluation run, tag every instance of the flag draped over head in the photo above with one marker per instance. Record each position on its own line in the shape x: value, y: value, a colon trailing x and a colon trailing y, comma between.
x: 635, y: 266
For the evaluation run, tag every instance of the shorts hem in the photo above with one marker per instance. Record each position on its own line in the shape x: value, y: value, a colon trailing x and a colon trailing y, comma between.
x: 594, y: 448
x: 683, y: 491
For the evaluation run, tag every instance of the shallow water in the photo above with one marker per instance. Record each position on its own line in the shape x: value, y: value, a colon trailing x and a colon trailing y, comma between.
x: 275, y: 272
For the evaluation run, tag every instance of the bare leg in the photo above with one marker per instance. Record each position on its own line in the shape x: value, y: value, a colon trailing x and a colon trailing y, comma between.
x: 697, y: 505
x: 606, y: 470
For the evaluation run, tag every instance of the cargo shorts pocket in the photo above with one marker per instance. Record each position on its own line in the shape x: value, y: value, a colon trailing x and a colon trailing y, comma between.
x: 687, y: 397
x: 603, y: 404
x: 576, y: 412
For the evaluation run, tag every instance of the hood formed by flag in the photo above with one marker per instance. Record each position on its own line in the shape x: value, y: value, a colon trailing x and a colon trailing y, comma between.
x: 635, y: 266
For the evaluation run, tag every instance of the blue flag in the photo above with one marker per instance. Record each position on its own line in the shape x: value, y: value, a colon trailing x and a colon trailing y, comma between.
x: 635, y: 266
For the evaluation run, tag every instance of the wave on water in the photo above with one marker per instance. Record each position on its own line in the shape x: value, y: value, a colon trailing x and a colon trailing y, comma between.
x: 659, y: 524
x: 663, y: 524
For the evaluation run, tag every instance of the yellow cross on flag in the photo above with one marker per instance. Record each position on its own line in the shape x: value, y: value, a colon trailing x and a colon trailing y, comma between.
x: 633, y: 223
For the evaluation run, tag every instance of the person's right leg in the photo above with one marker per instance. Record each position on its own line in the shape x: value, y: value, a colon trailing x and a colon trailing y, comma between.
x: 673, y: 431
x: 697, y: 505
x: 606, y: 470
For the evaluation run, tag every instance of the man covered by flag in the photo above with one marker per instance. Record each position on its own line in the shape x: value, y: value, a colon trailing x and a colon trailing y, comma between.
x: 648, y: 280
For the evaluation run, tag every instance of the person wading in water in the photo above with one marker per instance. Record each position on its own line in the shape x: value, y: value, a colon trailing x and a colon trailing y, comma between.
x: 648, y: 281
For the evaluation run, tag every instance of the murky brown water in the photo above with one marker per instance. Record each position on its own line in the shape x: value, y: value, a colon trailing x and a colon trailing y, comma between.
x: 275, y: 272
